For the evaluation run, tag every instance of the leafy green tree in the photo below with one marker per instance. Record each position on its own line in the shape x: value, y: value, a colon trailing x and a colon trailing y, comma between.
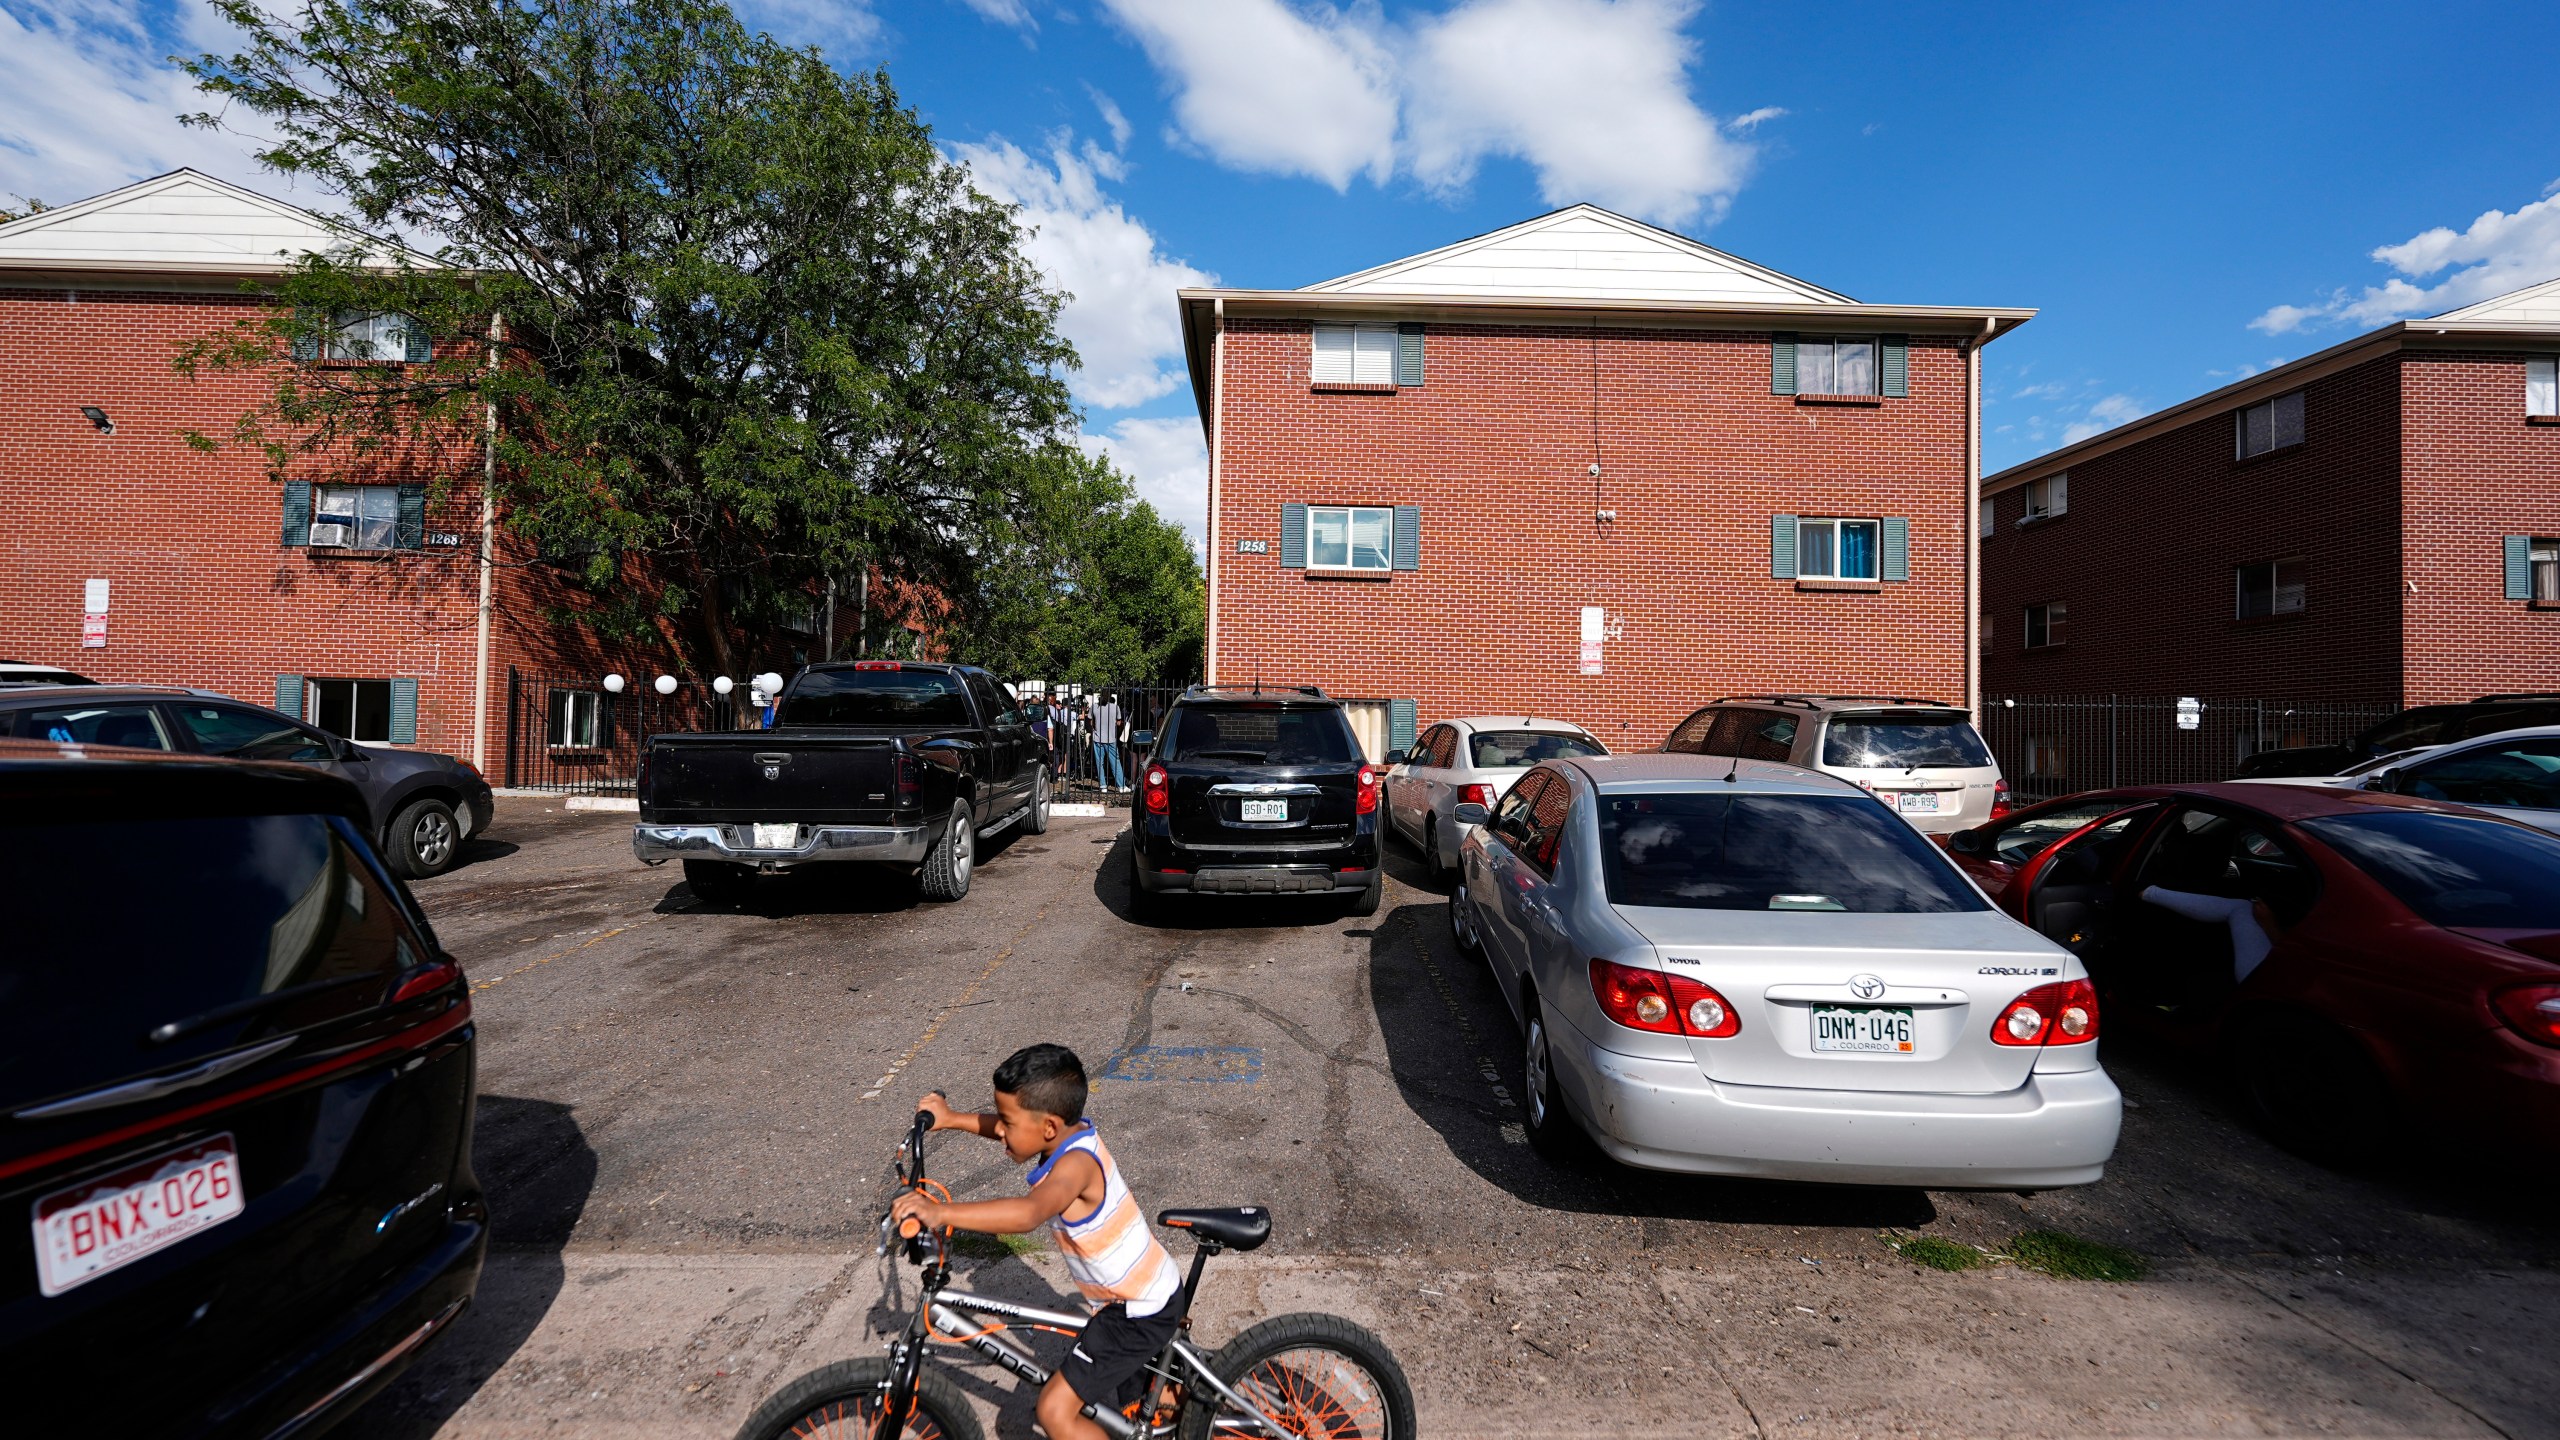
x: 751, y: 328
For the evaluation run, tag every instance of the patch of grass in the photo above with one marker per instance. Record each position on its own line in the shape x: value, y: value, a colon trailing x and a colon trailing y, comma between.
x: 992, y: 1247
x: 1934, y: 1252
x: 2073, y: 1258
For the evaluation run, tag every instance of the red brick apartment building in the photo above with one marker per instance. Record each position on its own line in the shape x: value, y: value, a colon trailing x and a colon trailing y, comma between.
x: 2377, y: 524
x: 128, y: 556
x: 1586, y: 468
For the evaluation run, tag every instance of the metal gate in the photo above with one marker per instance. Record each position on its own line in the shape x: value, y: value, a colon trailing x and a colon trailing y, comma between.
x: 2050, y: 745
x: 574, y: 737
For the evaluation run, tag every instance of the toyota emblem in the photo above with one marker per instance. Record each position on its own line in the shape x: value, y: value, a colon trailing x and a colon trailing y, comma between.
x: 1865, y: 987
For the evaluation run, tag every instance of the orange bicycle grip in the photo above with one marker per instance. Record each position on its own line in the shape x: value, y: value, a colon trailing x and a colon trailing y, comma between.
x: 910, y: 1228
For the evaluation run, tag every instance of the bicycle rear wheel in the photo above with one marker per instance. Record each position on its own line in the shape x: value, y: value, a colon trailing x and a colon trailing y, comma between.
x: 843, y: 1401
x: 1318, y: 1377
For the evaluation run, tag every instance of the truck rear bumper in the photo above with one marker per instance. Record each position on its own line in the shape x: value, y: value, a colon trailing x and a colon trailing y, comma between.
x: 816, y: 844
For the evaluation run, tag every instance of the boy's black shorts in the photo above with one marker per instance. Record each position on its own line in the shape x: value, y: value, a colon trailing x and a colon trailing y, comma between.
x: 1109, y: 1364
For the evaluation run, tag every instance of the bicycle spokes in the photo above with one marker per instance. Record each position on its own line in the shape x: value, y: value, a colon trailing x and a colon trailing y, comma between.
x: 1315, y: 1393
x: 861, y: 1419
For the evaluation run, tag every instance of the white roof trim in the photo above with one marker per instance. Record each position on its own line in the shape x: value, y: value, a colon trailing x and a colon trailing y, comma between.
x: 1397, y: 275
x: 2534, y: 304
x: 272, y: 234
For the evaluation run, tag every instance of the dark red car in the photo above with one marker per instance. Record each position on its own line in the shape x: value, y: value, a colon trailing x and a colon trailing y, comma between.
x: 2367, y: 962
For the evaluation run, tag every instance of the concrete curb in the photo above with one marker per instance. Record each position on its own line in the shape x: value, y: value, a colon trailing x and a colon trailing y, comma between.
x: 603, y: 802
x: 1079, y: 812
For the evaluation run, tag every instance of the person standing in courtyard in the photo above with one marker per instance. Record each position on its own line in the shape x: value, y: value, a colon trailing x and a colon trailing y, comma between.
x: 1106, y: 744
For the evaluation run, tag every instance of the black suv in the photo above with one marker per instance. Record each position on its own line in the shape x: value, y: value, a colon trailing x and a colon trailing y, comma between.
x: 1256, y: 792
x: 2418, y: 726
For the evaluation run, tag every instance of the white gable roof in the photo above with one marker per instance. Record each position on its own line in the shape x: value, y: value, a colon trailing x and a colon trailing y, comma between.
x: 2532, y: 305
x: 1583, y: 252
x: 184, y: 221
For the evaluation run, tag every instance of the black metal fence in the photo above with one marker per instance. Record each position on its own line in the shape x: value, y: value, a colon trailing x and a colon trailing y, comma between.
x: 2050, y: 745
x: 1071, y: 752
x: 574, y: 737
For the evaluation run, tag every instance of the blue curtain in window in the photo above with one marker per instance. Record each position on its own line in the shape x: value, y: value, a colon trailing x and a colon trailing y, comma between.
x: 1857, y: 552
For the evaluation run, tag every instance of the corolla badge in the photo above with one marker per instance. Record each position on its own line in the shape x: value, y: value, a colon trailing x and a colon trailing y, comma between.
x: 1865, y: 987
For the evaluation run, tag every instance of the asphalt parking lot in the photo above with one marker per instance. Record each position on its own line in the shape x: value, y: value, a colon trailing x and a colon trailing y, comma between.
x: 687, y: 1115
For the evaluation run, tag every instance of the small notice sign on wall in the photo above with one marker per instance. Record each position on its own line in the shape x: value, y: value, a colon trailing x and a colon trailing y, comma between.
x: 93, y: 616
x: 93, y: 632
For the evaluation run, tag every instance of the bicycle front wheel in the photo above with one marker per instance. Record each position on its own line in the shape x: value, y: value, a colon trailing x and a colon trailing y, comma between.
x: 844, y: 1401
x: 1318, y: 1377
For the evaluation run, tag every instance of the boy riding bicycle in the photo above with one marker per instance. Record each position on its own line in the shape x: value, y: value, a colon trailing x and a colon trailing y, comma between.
x: 1129, y: 1280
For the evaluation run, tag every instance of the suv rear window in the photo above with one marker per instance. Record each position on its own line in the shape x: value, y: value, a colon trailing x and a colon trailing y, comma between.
x: 2455, y: 870
x: 1903, y: 742
x: 1259, y: 735
x: 875, y: 697
x: 1773, y: 852
x: 1502, y: 749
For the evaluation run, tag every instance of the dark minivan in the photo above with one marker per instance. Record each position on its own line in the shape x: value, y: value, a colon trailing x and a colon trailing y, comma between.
x: 1256, y: 792
x: 236, y: 1089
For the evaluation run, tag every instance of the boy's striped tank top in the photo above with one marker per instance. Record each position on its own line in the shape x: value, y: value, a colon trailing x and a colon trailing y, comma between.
x: 1111, y: 1253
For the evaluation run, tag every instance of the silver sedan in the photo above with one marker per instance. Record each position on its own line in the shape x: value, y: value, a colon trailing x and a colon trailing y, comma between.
x: 1469, y: 761
x: 1737, y: 967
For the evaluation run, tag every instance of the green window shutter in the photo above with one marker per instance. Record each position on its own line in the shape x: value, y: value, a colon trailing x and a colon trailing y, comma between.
x: 1408, y: 541
x: 1782, y: 547
x: 1399, y: 726
x: 1895, y: 562
x: 1782, y: 363
x: 404, y: 712
x: 413, y: 518
x: 1896, y: 365
x: 297, y: 513
x: 289, y: 695
x: 421, y: 347
x: 306, y: 344
x: 2519, y: 567
x: 1409, y: 355
x: 1293, y: 537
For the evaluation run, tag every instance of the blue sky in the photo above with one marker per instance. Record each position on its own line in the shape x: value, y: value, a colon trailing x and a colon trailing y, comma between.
x: 2186, y: 192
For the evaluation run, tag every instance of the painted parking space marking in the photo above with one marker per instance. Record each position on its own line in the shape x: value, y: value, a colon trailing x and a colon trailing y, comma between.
x: 1189, y: 1064
x: 480, y: 985
x: 962, y: 1001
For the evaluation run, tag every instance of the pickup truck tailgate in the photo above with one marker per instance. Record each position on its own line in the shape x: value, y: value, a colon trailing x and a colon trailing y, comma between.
x: 775, y: 776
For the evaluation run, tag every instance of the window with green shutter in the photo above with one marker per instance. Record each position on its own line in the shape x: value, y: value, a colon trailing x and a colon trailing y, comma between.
x: 1782, y: 547
x: 1400, y: 726
x: 1782, y: 364
x: 289, y: 695
x: 1409, y: 355
x: 297, y: 514
x: 1293, y: 537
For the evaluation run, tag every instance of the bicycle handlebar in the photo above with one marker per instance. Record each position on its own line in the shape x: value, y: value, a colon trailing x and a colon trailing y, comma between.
x: 910, y: 1228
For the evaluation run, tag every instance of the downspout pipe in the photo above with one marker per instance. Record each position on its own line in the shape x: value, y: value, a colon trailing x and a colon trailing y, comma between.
x: 1973, y: 518
x: 1217, y: 435
x: 488, y: 559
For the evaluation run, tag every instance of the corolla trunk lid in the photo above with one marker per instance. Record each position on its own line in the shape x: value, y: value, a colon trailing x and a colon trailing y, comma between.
x: 1839, y: 1001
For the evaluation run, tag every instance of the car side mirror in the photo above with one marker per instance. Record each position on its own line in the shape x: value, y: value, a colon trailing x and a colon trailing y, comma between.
x: 2389, y: 782
x: 1471, y: 813
x: 348, y: 750
x: 1967, y: 842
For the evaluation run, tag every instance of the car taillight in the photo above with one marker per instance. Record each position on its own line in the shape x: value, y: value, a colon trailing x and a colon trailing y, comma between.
x: 1665, y: 1004
x: 2532, y: 1011
x: 425, y: 980
x: 876, y: 665
x: 1999, y: 799
x: 1477, y: 795
x: 1159, y: 788
x: 1368, y: 801
x: 2062, y: 1013
x: 910, y: 784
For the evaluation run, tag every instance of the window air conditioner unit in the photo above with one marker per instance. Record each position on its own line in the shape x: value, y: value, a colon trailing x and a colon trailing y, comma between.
x: 333, y: 534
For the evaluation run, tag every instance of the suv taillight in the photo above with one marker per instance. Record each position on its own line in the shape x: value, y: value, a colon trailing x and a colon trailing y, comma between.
x: 1999, y: 799
x: 2532, y: 1011
x: 1159, y: 788
x: 1665, y: 1004
x: 1367, y: 804
x: 2062, y: 1013
x: 877, y: 665
x: 1477, y: 795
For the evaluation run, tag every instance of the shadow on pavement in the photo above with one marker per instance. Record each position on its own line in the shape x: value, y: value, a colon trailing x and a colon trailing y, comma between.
x: 1445, y: 1025
x: 846, y: 889
x: 983, y: 1266
x: 538, y: 1169
x: 1111, y: 883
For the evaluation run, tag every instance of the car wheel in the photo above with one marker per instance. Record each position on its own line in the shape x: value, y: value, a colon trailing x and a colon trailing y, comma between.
x: 1432, y: 865
x: 1371, y: 896
x: 1145, y: 906
x: 1462, y: 929
x: 948, y: 865
x: 1037, y: 822
x: 717, y: 882
x: 2317, y: 1092
x: 425, y: 839
x: 1543, y: 1115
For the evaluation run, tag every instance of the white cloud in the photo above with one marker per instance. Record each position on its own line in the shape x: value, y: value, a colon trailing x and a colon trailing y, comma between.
x: 1264, y: 87
x: 1170, y: 464
x: 2105, y: 413
x: 836, y: 26
x: 88, y: 101
x: 2499, y: 252
x: 1593, y: 95
x: 1754, y: 119
x: 1004, y: 12
x: 1121, y: 314
x: 1112, y: 117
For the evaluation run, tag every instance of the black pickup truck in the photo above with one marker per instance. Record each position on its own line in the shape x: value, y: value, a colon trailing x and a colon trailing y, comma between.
x: 887, y: 762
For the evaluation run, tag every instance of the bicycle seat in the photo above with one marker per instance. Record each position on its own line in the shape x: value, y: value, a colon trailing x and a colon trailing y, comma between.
x: 1240, y: 1227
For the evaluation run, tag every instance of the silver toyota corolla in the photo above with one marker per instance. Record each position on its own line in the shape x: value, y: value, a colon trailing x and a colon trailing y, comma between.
x: 1735, y: 967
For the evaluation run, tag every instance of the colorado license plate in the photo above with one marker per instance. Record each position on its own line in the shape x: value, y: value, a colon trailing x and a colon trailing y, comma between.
x: 1264, y: 810
x: 1875, y: 1029
x: 85, y: 1230
x: 1917, y: 802
x: 777, y: 837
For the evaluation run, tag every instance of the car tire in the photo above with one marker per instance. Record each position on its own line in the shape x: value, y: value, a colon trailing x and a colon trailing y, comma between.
x: 953, y: 860
x: 1542, y: 1113
x: 718, y: 882
x: 1462, y: 933
x: 2315, y: 1090
x: 1371, y: 896
x: 1145, y: 906
x: 1037, y: 822
x: 425, y: 839
x: 1432, y: 866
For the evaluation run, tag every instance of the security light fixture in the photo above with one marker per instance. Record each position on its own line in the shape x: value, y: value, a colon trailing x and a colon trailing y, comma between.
x: 99, y: 418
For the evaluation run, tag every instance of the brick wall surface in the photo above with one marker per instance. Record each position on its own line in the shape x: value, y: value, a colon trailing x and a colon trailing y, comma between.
x: 2476, y: 472
x: 1696, y: 456
x: 203, y: 592
x: 2145, y: 561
